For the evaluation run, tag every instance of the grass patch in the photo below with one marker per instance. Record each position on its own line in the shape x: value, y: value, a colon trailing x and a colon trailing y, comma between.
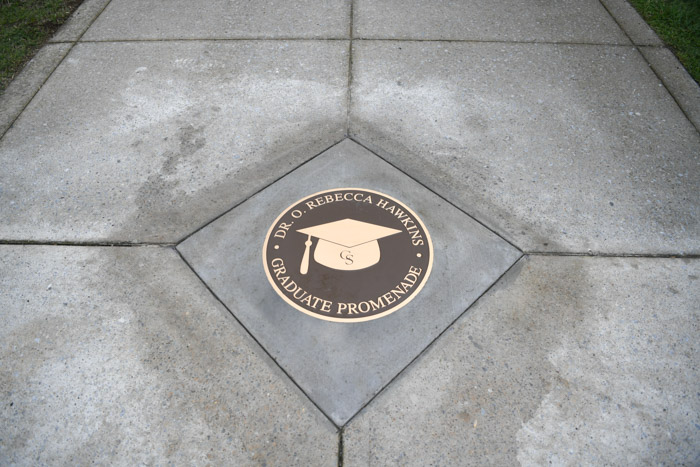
x: 677, y: 22
x: 24, y: 26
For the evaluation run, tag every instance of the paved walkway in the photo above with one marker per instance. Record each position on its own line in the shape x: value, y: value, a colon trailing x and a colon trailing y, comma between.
x: 552, y: 149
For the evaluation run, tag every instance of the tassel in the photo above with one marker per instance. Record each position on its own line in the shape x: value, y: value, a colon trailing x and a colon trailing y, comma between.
x: 305, y: 260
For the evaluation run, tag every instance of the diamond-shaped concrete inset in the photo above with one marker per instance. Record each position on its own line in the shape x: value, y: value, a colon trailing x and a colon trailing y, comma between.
x: 341, y: 366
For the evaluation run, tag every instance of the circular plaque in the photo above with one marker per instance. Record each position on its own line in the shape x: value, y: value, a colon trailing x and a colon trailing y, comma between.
x: 348, y: 255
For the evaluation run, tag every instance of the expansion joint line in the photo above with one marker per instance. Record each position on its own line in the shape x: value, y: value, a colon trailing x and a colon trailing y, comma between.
x: 78, y: 243
x: 613, y: 255
x: 348, y: 102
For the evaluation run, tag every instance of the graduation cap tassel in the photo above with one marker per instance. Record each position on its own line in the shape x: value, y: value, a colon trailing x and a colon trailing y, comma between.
x: 305, y: 260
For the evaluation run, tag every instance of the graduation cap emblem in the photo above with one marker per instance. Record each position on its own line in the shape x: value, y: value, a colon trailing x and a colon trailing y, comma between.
x: 346, y: 245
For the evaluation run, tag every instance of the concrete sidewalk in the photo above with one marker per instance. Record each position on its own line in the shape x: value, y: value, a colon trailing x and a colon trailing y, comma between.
x: 552, y: 149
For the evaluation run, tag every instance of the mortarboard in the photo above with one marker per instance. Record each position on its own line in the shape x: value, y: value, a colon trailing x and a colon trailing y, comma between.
x: 347, y: 245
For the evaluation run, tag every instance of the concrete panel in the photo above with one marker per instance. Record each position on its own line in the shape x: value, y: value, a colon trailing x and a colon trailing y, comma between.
x: 148, y: 141
x: 566, y: 361
x: 341, y: 366
x: 221, y: 19
x: 120, y: 356
x: 580, y: 21
x: 560, y: 148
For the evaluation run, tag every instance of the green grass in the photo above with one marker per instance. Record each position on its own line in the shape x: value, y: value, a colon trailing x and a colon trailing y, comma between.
x: 24, y: 26
x: 677, y: 22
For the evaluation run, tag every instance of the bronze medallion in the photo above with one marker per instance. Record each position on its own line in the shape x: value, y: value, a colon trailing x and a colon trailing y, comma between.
x: 348, y: 255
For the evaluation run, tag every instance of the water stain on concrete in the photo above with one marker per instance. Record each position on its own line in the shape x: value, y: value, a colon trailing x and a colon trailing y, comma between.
x: 585, y: 360
x: 614, y: 371
x: 138, y: 363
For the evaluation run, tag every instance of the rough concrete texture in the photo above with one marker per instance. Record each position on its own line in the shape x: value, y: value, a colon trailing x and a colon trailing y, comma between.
x: 21, y: 90
x: 183, y: 19
x: 676, y: 79
x: 558, y: 147
x: 490, y: 20
x: 79, y: 21
x: 148, y: 141
x: 164, y: 115
x: 567, y: 361
x: 341, y: 366
x: 634, y: 25
x: 120, y: 356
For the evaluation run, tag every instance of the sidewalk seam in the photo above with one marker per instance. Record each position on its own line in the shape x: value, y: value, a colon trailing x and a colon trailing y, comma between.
x: 182, y: 257
x: 84, y: 243
x: 219, y: 39
x: 350, y: 76
x: 118, y: 244
x: 341, y: 448
x: 348, y: 104
x: 499, y: 235
x: 614, y: 255
x: 351, y: 39
x: 218, y: 216
x: 432, y: 343
x: 494, y: 41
